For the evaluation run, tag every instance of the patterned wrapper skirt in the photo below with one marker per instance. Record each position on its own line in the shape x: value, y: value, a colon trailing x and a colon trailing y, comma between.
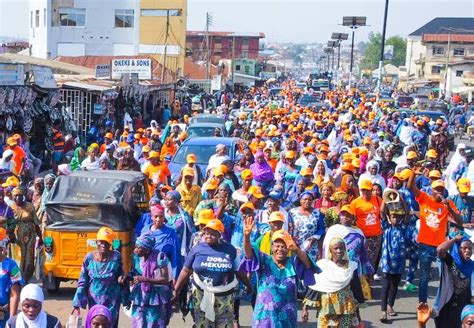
x: 223, y: 306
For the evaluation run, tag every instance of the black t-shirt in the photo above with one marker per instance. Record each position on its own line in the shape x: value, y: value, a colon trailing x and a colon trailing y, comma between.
x: 462, y: 284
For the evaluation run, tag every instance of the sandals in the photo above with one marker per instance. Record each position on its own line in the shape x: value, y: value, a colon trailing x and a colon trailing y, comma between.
x: 391, y: 312
x: 384, y: 318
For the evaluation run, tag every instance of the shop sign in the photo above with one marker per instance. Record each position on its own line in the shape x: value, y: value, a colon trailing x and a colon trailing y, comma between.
x: 98, y: 109
x: 128, y: 66
x: 102, y: 71
x: 11, y: 74
x: 44, y: 77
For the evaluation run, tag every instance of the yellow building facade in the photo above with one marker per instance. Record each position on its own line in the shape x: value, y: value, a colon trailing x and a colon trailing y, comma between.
x: 163, y: 33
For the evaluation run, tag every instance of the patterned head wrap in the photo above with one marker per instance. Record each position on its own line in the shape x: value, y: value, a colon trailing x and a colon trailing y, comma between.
x: 146, y: 241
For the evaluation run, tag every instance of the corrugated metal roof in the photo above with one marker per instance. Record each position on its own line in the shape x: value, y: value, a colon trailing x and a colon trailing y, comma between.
x: 87, y: 86
x: 446, y: 37
x: 57, y: 67
x: 442, y: 25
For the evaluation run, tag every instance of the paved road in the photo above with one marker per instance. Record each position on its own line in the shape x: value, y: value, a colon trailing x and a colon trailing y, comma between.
x: 60, y: 305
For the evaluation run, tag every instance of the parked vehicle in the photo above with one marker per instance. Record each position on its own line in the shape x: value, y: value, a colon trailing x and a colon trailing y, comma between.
x: 79, y: 205
x: 404, y: 101
x: 205, y: 129
x: 203, y: 148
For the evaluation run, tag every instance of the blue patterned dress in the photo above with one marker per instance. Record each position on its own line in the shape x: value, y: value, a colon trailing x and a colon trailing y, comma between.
x: 98, y: 283
x: 151, y: 307
x: 393, y: 248
x: 276, y: 303
x: 304, y: 227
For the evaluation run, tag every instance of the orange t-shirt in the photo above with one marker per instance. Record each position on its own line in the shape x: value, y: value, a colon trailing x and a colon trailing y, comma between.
x: 158, y: 174
x: 433, y: 220
x: 368, y: 215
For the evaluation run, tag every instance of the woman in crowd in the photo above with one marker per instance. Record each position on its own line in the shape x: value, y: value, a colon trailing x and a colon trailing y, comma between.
x: 101, y: 278
x: 339, y: 288
x: 349, y: 185
x: 179, y: 220
x: 128, y: 161
x: 324, y: 202
x: 27, y: 229
x: 166, y: 239
x: 32, y: 314
x: 455, y: 283
x: 11, y: 281
x: 77, y: 159
x: 307, y: 226
x: 151, y: 291
x: 322, y: 173
x: 99, y: 316
x: 49, y: 180
x: 276, y: 303
x: 91, y: 162
x: 212, y: 296
x: 38, y: 188
x: 339, y: 199
x: 262, y: 172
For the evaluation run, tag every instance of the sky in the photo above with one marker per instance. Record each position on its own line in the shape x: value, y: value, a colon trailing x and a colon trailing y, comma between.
x: 286, y: 21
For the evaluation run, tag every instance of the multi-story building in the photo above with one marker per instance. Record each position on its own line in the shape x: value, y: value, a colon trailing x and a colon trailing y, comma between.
x: 109, y: 28
x: 223, y: 45
x: 416, y: 49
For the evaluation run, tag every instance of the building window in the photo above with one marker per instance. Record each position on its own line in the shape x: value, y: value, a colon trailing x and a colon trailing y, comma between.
x: 438, y: 51
x: 37, y: 18
x: 44, y: 17
x: 435, y: 69
x: 31, y: 19
x: 72, y: 16
x: 124, y: 17
x: 237, y: 67
x: 459, y: 73
x: 161, y: 12
x: 245, y: 41
x: 245, y: 54
x: 217, y: 39
x: 458, y: 52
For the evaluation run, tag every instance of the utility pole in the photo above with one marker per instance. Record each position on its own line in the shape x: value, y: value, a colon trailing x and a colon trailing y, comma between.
x: 208, y: 47
x: 163, y: 70
x: 379, y: 82
x: 446, y: 65
x: 233, y: 58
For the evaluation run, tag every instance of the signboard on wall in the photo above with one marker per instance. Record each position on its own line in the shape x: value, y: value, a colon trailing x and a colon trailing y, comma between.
x: 102, y: 71
x: 142, y: 67
x: 44, y: 77
x: 12, y: 74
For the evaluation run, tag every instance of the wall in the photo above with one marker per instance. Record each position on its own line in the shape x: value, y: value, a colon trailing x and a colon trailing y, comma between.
x: 99, y: 35
x: 38, y: 36
x: 415, y: 51
x: 153, y: 34
x: 457, y: 81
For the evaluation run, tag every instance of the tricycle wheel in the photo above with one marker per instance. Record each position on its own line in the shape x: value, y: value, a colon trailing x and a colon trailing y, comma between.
x: 52, y: 286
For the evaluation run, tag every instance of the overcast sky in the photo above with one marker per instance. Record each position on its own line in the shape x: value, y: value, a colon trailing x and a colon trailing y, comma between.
x: 286, y: 20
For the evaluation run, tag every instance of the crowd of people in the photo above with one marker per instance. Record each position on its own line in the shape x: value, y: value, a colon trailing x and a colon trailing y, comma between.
x: 318, y: 205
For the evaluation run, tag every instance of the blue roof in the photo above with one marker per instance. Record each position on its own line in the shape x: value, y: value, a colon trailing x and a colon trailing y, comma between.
x: 440, y: 25
x: 206, y: 141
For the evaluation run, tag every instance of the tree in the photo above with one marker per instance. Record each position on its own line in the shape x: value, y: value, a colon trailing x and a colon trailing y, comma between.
x: 371, y: 56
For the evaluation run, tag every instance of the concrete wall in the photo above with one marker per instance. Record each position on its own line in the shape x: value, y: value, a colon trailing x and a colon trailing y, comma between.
x: 415, y: 51
x: 38, y: 36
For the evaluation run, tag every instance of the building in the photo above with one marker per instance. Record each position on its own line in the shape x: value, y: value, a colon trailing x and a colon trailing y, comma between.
x: 109, y: 28
x: 446, y: 49
x: 223, y: 45
x: 416, y: 50
x: 459, y: 78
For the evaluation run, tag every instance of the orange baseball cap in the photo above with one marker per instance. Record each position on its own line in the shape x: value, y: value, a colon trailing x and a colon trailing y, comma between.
x: 348, y: 208
x: 247, y: 205
x: 464, y: 185
x: 434, y: 174
x: 205, y: 216
x: 282, y: 235
x: 106, y: 234
x: 412, y: 155
x: 290, y: 154
x: 191, y: 159
x: 437, y: 183
x: 109, y: 135
x: 347, y: 167
x: 12, y: 141
x: 256, y: 192
x: 188, y: 172
x: 404, y: 174
x: 154, y: 154
x: 211, y: 184
x: 431, y: 153
x: 306, y: 171
x: 365, y: 184
x: 216, y: 225
x: 247, y: 174
x: 276, y: 217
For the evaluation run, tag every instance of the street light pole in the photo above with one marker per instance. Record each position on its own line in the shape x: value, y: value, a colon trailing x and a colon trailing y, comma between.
x: 382, y: 48
x: 353, y: 22
x: 339, y: 37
